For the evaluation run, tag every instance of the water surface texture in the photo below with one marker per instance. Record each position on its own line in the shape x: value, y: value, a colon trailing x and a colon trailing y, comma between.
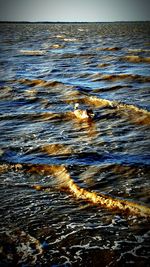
x: 74, y: 192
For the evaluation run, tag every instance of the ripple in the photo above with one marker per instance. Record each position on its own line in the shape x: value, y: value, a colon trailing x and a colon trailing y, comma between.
x: 136, y: 59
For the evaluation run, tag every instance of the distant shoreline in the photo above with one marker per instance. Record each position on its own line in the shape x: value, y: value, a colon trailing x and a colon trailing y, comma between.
x: 73, y: 22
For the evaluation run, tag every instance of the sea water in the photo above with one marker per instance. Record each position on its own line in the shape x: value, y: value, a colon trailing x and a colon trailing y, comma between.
x: 74, y: 192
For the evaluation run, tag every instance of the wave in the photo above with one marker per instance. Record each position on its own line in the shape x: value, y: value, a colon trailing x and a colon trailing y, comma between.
x: 100, y: 102
x: 57, y: 46
x: 70, y: 39
x: 32, y: 52
x: 137, y: 115
x: 138, y: 50
x: 103, y: 65
x: 109, y: 202
x: 63, y: 181
x: 136, y: 59
x: 112, y: 88
x: 113, y: 48
x: 71, y: 95
x: 39, y: 82
x: 60, y: 36
x: 124, y: 76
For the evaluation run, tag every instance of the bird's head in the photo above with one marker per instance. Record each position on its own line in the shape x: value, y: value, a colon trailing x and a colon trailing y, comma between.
x: 76, y: 106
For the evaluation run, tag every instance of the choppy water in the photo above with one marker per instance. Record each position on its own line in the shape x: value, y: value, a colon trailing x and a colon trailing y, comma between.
x: 74, y: 192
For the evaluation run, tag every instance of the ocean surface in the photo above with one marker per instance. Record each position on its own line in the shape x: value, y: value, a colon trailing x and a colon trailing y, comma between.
x: 73, y: 191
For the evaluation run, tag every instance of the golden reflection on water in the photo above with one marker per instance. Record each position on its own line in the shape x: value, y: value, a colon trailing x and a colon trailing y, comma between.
x: 86, y: 126
x: 56, y: 149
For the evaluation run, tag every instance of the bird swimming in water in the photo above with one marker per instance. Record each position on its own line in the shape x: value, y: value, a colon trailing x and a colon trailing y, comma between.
x: 83, y: 114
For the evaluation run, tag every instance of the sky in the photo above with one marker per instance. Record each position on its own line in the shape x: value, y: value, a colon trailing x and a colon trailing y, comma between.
x: 74, y: 10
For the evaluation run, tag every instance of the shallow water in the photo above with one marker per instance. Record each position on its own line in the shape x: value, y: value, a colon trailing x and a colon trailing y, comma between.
x: 74, y: 192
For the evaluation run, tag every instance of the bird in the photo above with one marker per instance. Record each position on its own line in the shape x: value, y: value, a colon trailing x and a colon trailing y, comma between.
x: 83, y: 114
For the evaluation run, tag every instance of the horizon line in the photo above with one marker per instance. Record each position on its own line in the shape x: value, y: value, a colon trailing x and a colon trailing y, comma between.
x: 46, y: 21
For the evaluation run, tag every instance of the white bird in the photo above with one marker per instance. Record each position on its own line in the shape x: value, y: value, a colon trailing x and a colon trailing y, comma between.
x: 83, y: 114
